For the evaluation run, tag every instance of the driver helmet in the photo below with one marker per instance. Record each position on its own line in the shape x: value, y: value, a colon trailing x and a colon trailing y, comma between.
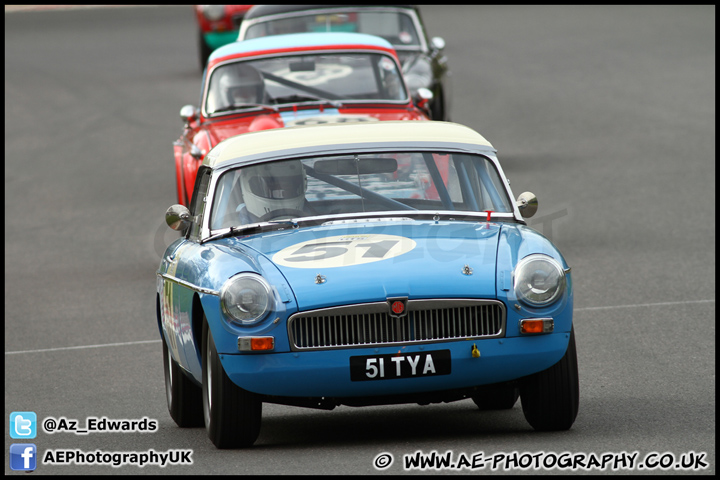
x: 274, y: 186
x: 240, y: 84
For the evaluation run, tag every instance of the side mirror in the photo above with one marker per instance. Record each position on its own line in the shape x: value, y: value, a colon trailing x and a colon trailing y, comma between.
x: 196, y: 152
x: 188, y: 113
x: 178, y: 217
x: 438, y: 43
x: 527, y: 204
x: 422, y: 99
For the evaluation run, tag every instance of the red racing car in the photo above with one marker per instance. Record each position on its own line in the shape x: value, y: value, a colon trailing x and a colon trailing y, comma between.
x: 287, y: 80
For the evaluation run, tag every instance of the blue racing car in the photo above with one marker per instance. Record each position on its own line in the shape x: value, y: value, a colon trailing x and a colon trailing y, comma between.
x: 361, y: 264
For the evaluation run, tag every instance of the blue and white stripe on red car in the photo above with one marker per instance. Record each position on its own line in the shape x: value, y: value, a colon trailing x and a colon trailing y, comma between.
x: 298, y: 41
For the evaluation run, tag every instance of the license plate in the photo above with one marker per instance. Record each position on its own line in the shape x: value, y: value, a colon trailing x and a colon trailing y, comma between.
x: 393, y: 366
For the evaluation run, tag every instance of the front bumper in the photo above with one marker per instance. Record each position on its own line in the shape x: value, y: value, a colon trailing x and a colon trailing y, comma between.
x: 326, y: 373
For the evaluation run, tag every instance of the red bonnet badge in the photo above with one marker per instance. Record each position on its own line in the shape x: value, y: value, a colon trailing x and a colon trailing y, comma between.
x: 398, y: 306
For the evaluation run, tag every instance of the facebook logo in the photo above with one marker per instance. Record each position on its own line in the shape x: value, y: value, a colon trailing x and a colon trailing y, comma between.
x: 23, y: 425
x: 23, y: 456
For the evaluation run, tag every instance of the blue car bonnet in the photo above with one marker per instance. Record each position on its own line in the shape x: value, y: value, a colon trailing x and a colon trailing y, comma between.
x: 345, y: 264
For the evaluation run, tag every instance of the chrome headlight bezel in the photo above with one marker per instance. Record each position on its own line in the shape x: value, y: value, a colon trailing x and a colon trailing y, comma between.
x: 246, y: 299
x: 530, y: 280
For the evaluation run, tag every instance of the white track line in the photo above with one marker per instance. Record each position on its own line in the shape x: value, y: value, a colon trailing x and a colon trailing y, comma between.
x: 637, y: 305
x: 37, y: 8
x: 661, y: 304
x: 83, y: 346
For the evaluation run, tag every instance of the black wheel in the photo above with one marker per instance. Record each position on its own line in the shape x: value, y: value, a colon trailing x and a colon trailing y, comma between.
x: 184, y: 398
x: 496, y: 397
x: 232, y: 415
x: 437, y: 107
x: 550, y: 398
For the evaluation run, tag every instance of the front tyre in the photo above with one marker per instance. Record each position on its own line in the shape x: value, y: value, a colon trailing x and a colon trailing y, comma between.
x: 550, y: 398
x: 184, y: 398
x: 437, y: 107
x: 232, y: 415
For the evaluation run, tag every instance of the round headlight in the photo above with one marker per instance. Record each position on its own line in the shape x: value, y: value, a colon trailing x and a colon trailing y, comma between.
x: 213, y: 12
x: 539, y: 280
x: 246, y: 298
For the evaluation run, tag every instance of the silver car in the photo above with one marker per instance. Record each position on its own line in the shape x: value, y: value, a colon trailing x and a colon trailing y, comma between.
x: 423, y: 60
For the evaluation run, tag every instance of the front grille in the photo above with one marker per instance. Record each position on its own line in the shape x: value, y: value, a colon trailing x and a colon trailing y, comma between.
x: 371, y: 324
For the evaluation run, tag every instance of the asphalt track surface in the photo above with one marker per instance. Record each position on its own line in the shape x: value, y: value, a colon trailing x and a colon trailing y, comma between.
x: 606, y: 113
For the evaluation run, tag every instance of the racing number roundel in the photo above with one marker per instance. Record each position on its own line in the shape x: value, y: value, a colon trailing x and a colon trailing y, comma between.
x: 343, y: 251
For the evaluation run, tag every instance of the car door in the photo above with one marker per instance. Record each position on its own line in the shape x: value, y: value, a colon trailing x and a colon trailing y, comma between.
x: 179, y: 285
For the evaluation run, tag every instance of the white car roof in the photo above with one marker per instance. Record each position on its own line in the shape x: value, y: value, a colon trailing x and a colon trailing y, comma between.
x: 251, y: 146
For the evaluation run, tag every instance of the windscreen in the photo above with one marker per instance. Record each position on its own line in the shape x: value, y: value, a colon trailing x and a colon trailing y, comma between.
x: 340, y: 186
x: 395, y: 27
x: 328, y: 77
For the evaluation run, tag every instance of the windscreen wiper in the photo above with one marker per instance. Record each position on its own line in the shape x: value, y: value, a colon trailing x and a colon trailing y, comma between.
x: 239, y: 106
x: 295, y: 98
x: 252, y: 228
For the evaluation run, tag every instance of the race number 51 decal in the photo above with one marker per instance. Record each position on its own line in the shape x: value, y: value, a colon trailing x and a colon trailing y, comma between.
x: 343, y: 251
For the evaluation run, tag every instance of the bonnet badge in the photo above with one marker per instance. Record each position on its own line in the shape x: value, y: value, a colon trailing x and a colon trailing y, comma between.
x: 398, y: 306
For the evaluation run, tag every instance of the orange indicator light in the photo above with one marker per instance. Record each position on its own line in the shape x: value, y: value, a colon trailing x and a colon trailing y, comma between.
x: 542, y: 325
x: 262, y: 343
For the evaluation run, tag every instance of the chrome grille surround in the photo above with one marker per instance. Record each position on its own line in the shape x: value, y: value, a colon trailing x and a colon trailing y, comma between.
x: 370, y: 324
